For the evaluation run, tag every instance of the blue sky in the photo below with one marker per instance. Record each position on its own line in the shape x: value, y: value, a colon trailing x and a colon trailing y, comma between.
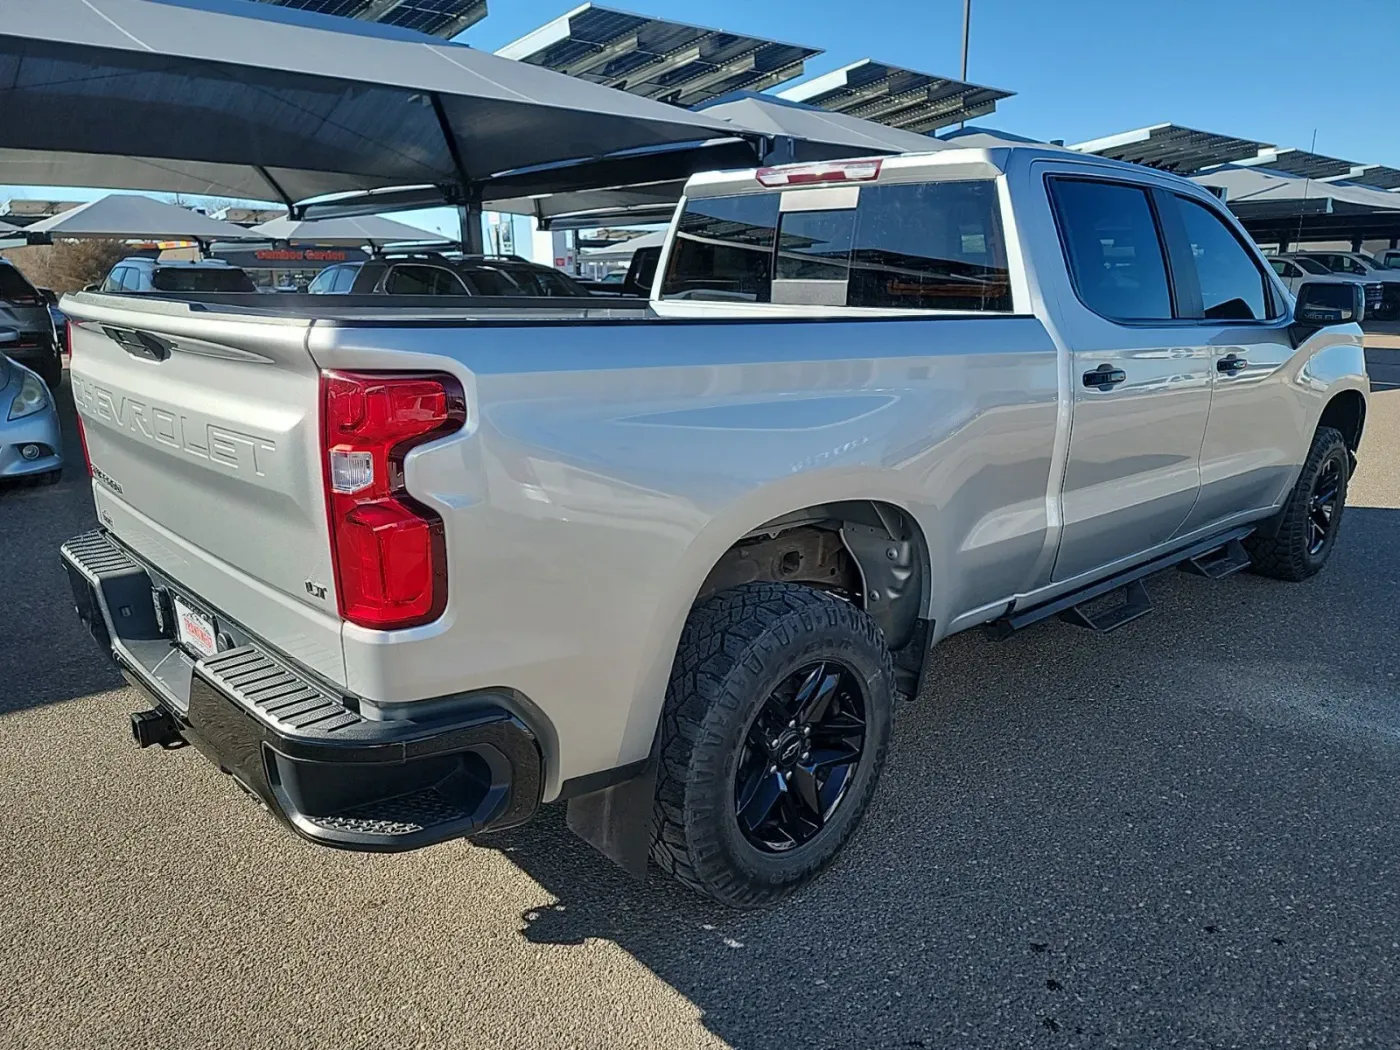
x: 1086, y: 68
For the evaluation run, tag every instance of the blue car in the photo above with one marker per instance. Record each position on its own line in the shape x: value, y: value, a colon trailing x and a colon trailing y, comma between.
x: 31, y: 442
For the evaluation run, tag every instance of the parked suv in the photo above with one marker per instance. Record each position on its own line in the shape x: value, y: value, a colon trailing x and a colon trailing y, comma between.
x: 150, y: 275
x: 1295, y: 270
x: 1362, y: 267
x: 430, y: 273
x: 22, y: 308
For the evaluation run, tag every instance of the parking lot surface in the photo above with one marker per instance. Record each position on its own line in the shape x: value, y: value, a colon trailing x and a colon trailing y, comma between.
x: 1185, y: 833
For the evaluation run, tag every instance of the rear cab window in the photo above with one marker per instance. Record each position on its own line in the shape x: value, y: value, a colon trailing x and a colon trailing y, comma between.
x: 928, y: 245
x: 15, y: 287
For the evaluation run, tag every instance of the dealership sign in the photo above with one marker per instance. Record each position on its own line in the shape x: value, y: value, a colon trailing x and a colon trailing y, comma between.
x: 290, y: 258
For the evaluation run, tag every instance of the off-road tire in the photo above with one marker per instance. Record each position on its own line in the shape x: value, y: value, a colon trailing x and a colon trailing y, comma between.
x: 736, y: 647
x: 1284, y: 555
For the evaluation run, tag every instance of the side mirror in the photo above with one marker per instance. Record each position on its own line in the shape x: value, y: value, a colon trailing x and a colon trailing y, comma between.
x: 92, y: 287
x: 1330, y: 302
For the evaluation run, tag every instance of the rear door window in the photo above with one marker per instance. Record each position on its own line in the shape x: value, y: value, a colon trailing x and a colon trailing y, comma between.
x: 423, y: 280
x: 724, y: 250
x: 1232, y: 284
x: 1113, y: 248
x: 324, y: 282
x: 345, y: 279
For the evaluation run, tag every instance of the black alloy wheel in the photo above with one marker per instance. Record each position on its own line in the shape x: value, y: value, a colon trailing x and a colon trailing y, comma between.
x: 1297, y: 542
x: 1322, y: 506
x: 800, y: 756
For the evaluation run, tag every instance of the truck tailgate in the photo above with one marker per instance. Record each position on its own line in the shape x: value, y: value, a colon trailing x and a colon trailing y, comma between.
x: 202, y: 430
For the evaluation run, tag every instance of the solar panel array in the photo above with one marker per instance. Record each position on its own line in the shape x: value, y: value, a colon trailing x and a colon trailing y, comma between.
x: 901, y: 98
x: 668, y: 61
x: 444, y: 18
x: 1187, y: 151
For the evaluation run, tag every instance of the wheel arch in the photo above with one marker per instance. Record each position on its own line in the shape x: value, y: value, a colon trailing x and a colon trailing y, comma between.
x: 1345, y: 411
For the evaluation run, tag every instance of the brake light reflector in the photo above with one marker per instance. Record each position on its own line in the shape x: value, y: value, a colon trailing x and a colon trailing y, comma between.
x: 388, y: 549
x: 807, y: 174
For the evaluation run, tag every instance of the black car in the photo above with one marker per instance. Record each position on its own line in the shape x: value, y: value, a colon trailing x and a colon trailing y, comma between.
x: 429, y: 273
x: 23, y: 308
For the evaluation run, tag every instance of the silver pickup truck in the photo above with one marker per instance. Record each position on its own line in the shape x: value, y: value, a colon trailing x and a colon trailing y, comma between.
x: 409, y: 568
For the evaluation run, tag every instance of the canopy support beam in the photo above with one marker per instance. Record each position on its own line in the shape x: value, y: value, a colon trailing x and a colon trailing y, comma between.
x: 282, y: 195
x: 469, y: 205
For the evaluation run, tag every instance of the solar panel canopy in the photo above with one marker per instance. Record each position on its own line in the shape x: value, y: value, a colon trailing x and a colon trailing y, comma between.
x: 1303, y: 163
x: 441, y: 18
x: 897, y: 97
x: 1174, y: 148
x: 668, y: 61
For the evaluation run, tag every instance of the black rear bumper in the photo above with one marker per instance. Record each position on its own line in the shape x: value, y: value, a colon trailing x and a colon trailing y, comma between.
x: 299, y: 745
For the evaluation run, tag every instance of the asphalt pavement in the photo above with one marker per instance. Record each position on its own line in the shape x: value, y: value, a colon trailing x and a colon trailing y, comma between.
x: 1182, y: 834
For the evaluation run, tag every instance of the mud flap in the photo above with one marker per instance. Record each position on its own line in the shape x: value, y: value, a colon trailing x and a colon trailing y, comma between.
x: 619, y: 821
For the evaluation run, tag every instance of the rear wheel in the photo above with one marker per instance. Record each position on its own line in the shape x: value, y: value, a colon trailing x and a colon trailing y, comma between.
x: 777, y: 720
x: 1310, y: 520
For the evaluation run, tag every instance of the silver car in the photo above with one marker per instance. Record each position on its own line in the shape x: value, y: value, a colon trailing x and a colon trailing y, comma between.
x: 31, y: 442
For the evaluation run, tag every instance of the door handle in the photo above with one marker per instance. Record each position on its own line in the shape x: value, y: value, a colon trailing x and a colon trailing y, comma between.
x: 1230, y: 364
x: 1104, y: 377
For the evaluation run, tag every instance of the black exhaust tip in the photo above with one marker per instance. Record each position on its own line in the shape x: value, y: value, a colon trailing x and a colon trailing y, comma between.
x: 155, y: 727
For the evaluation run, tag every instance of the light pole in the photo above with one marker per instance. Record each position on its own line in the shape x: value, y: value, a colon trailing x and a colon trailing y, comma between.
x: 967, y: 25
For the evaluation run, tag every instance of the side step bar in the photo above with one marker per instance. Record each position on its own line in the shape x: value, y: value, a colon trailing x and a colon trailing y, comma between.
x: 1215, y: 558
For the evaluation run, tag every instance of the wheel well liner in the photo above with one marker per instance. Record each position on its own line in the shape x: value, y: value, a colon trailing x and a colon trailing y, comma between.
x: 869, y: 551
x: 1346, y: 412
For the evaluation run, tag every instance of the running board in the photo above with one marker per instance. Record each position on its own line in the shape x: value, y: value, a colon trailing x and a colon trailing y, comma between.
x: 1219, y: 563
x: 1219, y: 554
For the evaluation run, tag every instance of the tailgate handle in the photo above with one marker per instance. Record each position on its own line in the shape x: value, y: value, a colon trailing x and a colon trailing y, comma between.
x: 139, y: 344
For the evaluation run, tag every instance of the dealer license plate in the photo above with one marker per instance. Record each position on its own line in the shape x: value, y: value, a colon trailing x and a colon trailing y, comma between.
x: 194, y: 629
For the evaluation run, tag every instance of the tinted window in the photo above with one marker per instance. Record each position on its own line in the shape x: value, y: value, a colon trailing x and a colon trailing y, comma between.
x: 423, y: 280
x: 131, y: 279
x: 1312, y: 266
x: 931, y: 246
x: 723, y: 249
x: 1232, y: 286
x: 324, y: 282
x: 1113, y: 248
x: 814, y: 245
x: 488, y: 280
x: 15, y: 288
x: 345, y: 279
x: 1283, y: 268
x: 113, y: 283
x: 1346, y: 264
x: 200, y: 279
x: 543, y: 281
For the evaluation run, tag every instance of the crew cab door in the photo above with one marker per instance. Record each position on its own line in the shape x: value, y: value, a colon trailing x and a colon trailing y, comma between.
x: 1255, y: 436
x: 1141, y: 382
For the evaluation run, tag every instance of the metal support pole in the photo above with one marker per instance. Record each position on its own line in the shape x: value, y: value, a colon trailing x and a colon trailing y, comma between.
x: 469, y: 217
x: 967, y: 27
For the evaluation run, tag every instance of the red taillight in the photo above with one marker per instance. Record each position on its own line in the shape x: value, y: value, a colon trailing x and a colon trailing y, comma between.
x: 82, y: 440
x: 807, y: 174
x: 389, y: 553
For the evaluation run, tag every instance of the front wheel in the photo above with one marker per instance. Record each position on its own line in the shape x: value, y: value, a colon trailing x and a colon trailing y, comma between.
x: 777, y: 719
x: 1308, y: 524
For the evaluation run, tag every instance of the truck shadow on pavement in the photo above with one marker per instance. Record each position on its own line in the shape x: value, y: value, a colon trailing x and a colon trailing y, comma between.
x: 1180, y: 832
